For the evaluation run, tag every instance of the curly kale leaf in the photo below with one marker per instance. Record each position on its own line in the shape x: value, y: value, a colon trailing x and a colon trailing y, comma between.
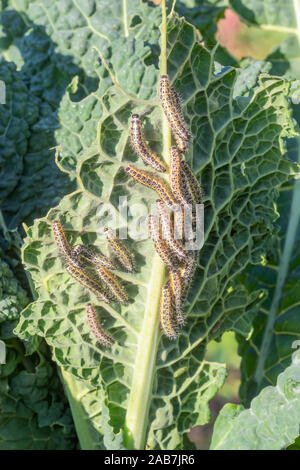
x: 152, y: 387
x: 13, y: 297
x: 34, y: 413
x: 272, y: 420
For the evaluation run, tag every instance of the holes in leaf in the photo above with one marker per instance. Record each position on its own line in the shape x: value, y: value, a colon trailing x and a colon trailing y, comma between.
x: 135, y: 20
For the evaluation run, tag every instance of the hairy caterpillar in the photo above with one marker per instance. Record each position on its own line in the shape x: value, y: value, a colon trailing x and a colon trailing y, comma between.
x: 168, y: 231
x: 91, y: 256
x: 186, y: 187
x: 154, y: 182
x: 176, y: 284
x: 88, y: 282
x: 112, y: 283
x: 175, y: 175
x: 124, y: 256
x: 167, y: 321
x: 187, y: 271
x: 169, y: 104
x: 96, y: 327
x: 181, y: 143
x: 63, y: 245
x: 193, y: 182
x: 159, y: 244
x: 141, y: 148
x: 60, y: 239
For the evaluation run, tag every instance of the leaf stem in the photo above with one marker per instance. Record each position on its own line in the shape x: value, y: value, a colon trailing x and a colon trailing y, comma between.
x: 74, y: 391
x: 297, y: 13
x: 125, y: 18
x: 144, y: 370
x: 163, y: 71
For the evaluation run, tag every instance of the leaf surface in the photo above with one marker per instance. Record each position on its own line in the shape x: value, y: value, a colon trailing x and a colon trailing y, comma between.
x: 152, y: 389
x: 275, y: 332
x: 271, y: 422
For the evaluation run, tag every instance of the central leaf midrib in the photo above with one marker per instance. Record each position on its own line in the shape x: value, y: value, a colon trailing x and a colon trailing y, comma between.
x: 144, y: 368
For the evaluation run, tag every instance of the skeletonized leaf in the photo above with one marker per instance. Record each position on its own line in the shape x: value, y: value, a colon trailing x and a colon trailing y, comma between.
x: 154, y: 389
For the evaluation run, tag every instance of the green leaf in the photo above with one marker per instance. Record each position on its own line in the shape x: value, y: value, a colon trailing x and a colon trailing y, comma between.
x: 33, y: 411
x: 204, y: 14
x: 277, y: 14
x: 48, y: 57
x: 267, y: 352
x: 154, y: 389
x: 16, y: 115
x: 273, y: 16
x: 295, y: 445
x: 13, y: 297
x: 272, y: 421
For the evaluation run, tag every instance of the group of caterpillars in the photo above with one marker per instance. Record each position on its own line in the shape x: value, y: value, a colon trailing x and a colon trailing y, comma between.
x: 183, y: 191
x: 76, y: 260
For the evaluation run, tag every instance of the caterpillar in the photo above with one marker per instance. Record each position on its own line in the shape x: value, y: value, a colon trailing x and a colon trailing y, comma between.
x: 154, y: 182
x: 186, y: 187
x: 169, y: 105
x: 159, y: 244
x: 112, y: 283
x: 187, y: 271
x: 176, y: 284
x: 177, y: 102
x: 168, y: 232
x: 167, y: 320
x: 120, y: 250
x: 63, y: 244
x: 82, y: 251
x: 96, y: 327
x: 60, y: 239
x: 193, y: 182
x: 175, y: 175
x: 88, y: 282
x: 181, y: 143
x: 141, y: 148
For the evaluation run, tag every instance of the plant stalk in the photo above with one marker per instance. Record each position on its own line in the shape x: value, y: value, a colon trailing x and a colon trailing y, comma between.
x: 74, y: 391
x: 144, y: 370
